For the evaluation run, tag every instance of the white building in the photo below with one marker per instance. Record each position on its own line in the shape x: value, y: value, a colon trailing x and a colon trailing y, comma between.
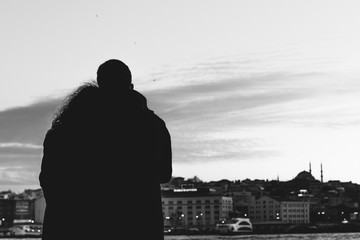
x: 267, y: 209
x: 295, y: 212
x: 202, y: 208
x: 39, y: 209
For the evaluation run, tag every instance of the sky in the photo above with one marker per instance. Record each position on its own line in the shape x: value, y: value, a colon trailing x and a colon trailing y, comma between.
x: 253, y: 89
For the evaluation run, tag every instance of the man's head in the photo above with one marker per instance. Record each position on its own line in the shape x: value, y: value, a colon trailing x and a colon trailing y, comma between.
x: 114, y: 75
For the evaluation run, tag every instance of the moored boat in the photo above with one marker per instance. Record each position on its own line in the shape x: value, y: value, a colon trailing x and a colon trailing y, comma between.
x: 235, y: 225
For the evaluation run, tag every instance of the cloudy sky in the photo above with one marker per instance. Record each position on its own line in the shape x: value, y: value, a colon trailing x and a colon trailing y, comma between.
x: 248, y: 88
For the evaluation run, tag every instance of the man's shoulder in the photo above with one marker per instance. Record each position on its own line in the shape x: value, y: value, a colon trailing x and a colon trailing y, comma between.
x: 157, y: 119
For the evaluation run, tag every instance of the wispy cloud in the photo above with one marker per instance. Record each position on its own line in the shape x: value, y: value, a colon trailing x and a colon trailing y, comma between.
x: 17, y: 145
x: 282, y: 96
x: 27, y: 124
x: 22, y: 132
x: 254, y: 117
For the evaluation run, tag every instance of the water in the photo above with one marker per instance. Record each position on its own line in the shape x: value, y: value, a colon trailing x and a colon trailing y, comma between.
x: 308, y: 236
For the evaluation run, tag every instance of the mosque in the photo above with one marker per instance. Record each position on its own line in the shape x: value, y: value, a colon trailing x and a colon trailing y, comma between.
x: 307, y: 176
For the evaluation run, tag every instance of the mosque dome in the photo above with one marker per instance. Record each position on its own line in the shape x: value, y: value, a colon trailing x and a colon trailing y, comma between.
x: 304, y: 175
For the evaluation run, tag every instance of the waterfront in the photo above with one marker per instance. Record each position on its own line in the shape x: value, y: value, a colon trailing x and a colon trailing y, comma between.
x: 308, y: 236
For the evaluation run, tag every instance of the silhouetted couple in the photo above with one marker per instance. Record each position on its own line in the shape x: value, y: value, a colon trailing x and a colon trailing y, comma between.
x: 104, y: 158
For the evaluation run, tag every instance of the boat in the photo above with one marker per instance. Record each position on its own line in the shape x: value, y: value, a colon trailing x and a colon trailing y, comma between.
x: 27, y: 230
x: 235, y: 225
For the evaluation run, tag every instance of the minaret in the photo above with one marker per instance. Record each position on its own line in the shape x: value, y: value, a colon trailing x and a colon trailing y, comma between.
x: 310, y: 167
x: 321, y: 171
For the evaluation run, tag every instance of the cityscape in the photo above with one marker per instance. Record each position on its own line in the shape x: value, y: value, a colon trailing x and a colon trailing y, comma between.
x: 302, y: 204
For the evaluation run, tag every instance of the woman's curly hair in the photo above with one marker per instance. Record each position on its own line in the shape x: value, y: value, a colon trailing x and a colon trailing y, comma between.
x: 77, y: 105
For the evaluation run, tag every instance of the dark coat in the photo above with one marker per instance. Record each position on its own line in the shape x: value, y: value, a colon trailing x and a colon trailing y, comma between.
x: 101, y: 175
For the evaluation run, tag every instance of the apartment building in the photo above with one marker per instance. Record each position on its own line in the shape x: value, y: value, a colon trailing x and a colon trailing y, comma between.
x: 264, y: 209
x: 200, y: 207
x: 295, y: 212
x: 267, y: 209
x: 39, y: 209
x: 241, y: 202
